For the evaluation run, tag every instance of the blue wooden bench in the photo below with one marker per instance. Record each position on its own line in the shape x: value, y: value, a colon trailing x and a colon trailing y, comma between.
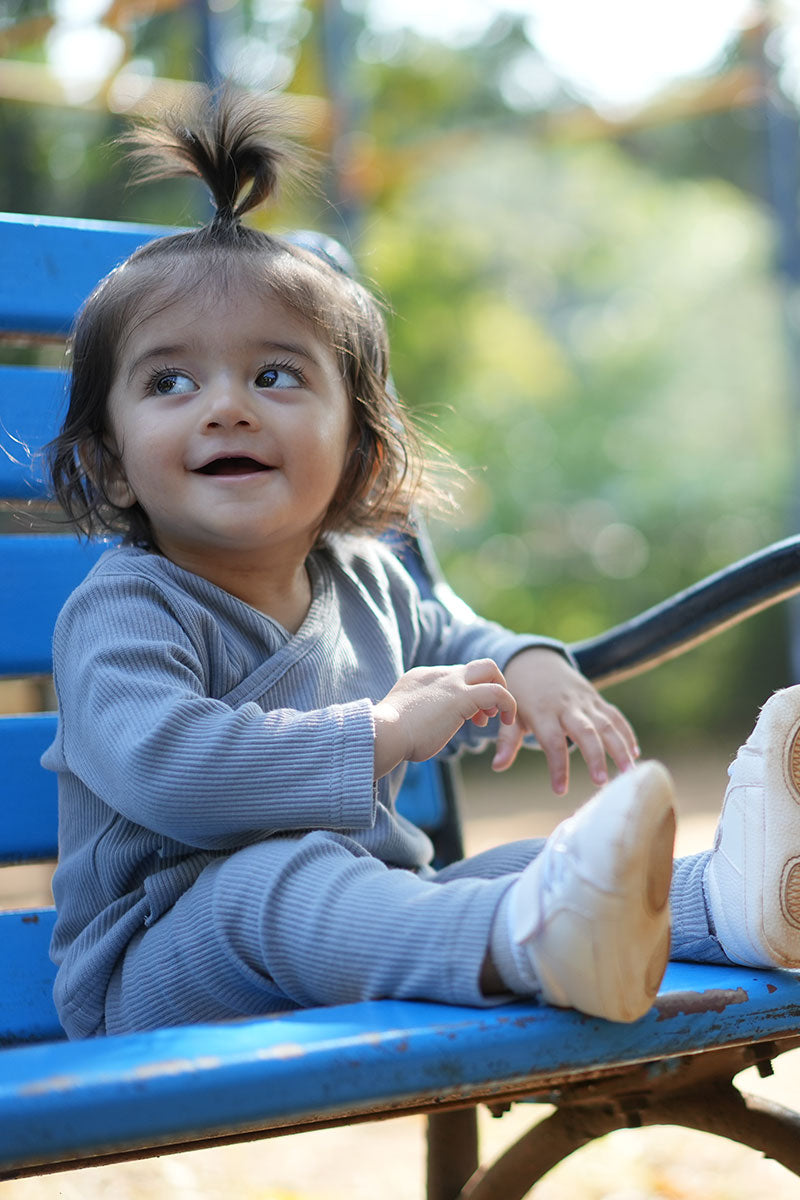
x: 68, y: 1104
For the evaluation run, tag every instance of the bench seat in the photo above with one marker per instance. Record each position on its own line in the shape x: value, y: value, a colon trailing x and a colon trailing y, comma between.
x: 97, y: 1100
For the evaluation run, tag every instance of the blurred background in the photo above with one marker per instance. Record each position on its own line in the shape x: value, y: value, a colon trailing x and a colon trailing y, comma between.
x: 583, y: 220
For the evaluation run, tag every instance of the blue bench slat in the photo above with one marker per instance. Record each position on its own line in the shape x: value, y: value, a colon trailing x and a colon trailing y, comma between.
x: 60, y: 262
x: 27, y: 1013
x: 421, y: 797
x: 62, y: 259
x: 38, y: 573
x: 29, y: 805
x: 64, y: 1100
x: 32, y: 400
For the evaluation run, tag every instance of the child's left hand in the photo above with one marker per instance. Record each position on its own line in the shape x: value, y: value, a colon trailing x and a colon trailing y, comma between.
x: 556, y: 703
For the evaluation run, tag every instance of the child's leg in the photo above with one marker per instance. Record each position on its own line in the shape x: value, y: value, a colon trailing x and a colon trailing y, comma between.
x: 510, y: 858
x: 752, y: 880
x: 296, y: 922
x: 693, y: 937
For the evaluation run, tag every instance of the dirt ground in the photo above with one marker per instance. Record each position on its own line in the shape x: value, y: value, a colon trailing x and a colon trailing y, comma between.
x: 386, y: 1160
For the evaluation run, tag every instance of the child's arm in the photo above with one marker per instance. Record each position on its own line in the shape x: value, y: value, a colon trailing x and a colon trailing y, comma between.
x: 541, y: 694
x: 556, y: 703
x: 428, y: 705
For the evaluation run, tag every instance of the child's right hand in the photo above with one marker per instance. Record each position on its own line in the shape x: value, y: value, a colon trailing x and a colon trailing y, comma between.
x: 428, y: 705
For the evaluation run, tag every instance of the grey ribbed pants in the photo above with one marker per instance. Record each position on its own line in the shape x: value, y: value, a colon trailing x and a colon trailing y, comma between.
x: 293, y: 922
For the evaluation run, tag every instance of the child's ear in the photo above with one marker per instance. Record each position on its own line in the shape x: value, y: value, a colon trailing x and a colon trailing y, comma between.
x: 104, y: 467
x: 117, y: 488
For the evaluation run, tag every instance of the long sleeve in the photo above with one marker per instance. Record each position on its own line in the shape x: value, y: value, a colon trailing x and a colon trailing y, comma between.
x: 141, y: 728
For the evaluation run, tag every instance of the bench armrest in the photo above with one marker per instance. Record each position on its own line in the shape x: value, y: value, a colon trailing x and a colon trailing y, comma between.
x: 694, y: 615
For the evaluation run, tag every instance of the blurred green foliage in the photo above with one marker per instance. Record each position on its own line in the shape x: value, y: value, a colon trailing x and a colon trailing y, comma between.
x: 603, y: 349
x: 593, y: 328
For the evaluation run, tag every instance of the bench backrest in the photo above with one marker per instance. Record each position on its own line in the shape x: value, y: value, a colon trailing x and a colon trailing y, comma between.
x: 47, y: 268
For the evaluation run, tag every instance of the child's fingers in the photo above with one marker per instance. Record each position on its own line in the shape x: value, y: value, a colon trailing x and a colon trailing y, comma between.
x: 553, y: 741
x: 488, y: 691
x: 629, y: 751
x: 586, y: 737
x: 489, y: 699
x: 483, y: 670
x: 617, y: 736
x: 604, y: 733
x: 622, y: 751
x: 509, y: 740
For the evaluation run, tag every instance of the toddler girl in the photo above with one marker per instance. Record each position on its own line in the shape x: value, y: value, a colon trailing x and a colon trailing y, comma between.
x: 243, y: 678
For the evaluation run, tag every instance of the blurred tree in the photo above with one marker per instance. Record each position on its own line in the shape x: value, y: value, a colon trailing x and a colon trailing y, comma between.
x: 607, y: 344
x: 591, y: 325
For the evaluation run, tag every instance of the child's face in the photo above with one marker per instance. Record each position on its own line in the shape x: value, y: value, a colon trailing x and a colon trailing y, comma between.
x: 233, y: 427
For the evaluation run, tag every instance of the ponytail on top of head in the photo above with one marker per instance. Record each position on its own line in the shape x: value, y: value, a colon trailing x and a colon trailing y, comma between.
x: 239, y: 148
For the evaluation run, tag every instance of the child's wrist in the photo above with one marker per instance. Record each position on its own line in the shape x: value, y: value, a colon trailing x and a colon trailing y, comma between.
x: 390, y: 747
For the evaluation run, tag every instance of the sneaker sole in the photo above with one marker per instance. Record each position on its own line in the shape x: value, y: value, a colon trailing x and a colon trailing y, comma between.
x: 761, y: 926
x: 658, y: 880
x: 790, y: 879
x: 657, y: 966
x: 639, y: 976
x: 793, y: 763
x: 790, y: 892
x: 659, y: 868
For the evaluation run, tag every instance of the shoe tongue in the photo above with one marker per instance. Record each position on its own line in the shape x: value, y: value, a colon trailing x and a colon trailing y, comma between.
x: 748, y: 766
x: 536, y: 884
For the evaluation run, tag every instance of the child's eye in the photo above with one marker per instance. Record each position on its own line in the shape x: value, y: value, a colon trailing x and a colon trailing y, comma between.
x: 170, y: 383
x: 279, y: 375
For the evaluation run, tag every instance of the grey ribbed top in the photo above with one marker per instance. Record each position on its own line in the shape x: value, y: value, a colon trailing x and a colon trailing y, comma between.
x: 191, y: 724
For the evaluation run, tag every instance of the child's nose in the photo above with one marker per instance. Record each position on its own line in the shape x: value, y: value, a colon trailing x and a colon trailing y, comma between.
x: 229, y: 405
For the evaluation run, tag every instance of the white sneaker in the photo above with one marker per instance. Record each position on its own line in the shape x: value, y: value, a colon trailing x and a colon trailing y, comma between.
x: 752, y: 881
x: 591, y: 911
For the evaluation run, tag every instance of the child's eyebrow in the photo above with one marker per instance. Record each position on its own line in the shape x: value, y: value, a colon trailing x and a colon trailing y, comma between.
x: 290, y: 348
x: 162, y: 352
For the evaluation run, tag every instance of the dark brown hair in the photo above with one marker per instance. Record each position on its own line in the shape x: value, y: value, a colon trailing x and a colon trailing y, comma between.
x: 233, y: 143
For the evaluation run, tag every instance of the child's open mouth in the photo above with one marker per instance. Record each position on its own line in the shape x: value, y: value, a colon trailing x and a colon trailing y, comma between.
x: 232, y: 466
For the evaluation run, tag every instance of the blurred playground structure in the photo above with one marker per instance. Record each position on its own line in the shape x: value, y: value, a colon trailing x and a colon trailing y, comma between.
x: 592, y: 281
